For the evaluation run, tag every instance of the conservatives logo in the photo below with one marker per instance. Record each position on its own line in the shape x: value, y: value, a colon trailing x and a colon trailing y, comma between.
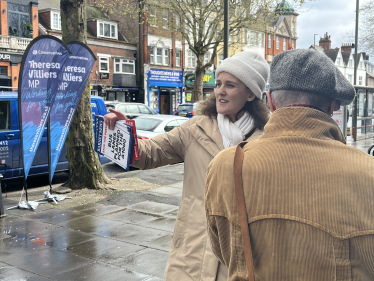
x: 38, y: 52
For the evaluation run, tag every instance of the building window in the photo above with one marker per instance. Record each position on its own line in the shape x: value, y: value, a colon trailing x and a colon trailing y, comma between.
x: 350, y: 79
x: 152, y: 15
x: 269, y: 41
x: 360, y: 80
x: 206, y: 57
x: 338, y: 61
x: 293, y: 44
x: 361, y: 66
x: 191, y: 59
x: 231, y: 37
x: 277, y: 43
x: 107, y: 30
x: 158, y: 55
x: 18, y: 15
x: 161, y: 55
x: 350, y: 63
x: 220, y: 59
x: 166, y: 56
x: 177, y: 57
x: 56, y: 20
x: 245, y: 35
x: 293, y: 29
x: 4, y: 70
x: 284, y: 44
x: 165, y: 19
x: 177, y: 22
x: 124, y: 66
x: 104, y: 64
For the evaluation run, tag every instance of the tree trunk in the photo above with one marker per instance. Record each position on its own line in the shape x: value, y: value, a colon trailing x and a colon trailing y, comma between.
x: 84, y: 165
x: 197, y: 91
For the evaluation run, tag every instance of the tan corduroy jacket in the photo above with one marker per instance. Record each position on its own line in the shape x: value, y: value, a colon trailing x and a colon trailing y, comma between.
x: 196, y: 142
x: 309, y: 199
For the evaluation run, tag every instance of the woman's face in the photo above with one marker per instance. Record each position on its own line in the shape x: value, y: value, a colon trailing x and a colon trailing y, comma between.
x: 231, y: 95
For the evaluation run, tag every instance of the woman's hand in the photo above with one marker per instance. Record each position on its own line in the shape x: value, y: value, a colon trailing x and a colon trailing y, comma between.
x: 111, y: 118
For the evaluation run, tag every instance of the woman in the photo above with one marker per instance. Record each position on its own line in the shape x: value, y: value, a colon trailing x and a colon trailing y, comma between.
x: 235, y: 113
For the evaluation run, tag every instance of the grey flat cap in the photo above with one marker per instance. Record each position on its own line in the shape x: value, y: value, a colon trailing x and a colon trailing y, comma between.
x: 310, y: 71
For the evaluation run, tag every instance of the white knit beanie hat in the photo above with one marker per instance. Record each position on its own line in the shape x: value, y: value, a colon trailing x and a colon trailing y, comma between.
x: 250, y: 68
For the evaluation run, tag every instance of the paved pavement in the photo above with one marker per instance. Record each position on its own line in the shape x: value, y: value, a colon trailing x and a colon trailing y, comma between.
x: 123, y: 237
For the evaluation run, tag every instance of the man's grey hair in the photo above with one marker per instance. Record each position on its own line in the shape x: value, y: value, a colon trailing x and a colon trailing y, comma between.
x: 284, y: 98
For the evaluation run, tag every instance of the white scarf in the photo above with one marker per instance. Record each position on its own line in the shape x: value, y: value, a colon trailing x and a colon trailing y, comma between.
x: 233, y: 133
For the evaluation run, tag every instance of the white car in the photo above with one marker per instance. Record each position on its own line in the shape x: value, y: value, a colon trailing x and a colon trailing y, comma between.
x: 148, y: 126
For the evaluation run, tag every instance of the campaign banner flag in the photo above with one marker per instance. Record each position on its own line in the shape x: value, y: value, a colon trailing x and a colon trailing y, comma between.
x: 41, y: 72
x: 76, y: 71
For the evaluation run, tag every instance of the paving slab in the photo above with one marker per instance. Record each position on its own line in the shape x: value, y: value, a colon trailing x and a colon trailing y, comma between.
x: 135, y: 234
x: 50, y: 262
x: 161, y: 243
x: 126, y: 198
x: 131, y: 216
x: 162, y: 223
x: 100, y: 272
x: 152, y: 207
x: 96, y: 209
x: 54, y: 216
x: 90, y: 224
x: 11, y: 273
x: 168, y: 190
x: 21, y: 229
x: 149, y: 261
x: 61, y: 238
x: 103, y: 249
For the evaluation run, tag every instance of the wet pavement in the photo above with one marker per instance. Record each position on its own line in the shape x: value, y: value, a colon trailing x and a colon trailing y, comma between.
x: 123, y: 237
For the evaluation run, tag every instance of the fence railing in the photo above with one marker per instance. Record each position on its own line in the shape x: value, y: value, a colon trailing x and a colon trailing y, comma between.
x: 15, y: 43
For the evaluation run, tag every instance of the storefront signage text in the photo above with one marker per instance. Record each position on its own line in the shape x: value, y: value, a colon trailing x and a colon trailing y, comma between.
x: 164, y: 75
x: 4, y: 57
x: 208, y: 78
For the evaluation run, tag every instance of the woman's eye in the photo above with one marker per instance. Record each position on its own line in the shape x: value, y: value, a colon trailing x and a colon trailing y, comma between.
x: 230, y: 85
x: 218, y: 84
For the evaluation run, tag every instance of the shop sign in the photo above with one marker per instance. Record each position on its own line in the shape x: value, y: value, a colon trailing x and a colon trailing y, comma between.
x: 188, y: 96
x: 4, y: 57
x: 209, y: 78
x: 339, y: 117
x: 165, y: 76
x: 104, y: 75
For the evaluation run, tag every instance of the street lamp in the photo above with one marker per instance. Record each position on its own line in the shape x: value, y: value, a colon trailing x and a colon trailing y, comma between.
x: 315, y: 41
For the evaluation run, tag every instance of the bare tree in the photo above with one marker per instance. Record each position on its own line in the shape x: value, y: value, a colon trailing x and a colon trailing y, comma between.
x: 84, y: 165
x: 366, y: 32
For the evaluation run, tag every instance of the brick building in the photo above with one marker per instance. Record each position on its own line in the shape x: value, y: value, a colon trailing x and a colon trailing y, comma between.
x: 19, y: 25
x: 114, y: 74
x: 160, y: 51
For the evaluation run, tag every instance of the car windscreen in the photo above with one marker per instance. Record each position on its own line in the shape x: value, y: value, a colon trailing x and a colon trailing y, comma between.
x: 146, y: 124
x: 185, y: 107
x: 109, y: 106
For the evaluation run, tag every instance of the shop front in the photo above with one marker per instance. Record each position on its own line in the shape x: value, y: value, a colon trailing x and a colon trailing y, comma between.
x: 9, y: 70
x: 165, y: 90
x: 365, y: 114
x: 208, y: 85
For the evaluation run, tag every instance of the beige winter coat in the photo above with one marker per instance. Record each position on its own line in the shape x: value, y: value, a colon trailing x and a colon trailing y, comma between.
x: 196, y: 142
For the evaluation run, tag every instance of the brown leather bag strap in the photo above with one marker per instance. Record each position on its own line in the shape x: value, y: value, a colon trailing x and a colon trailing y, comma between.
x: 238, y: 165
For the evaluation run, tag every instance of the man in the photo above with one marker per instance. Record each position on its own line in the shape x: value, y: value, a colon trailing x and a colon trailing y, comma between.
x: 309, y: 197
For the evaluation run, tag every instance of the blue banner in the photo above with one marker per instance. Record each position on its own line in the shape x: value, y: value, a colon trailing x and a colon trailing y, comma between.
x: 41, y: 71
x: 76, y: 71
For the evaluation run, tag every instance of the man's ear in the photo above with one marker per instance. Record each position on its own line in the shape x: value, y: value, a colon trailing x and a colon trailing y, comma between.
x: 270, y: 101
x: 331, y: 106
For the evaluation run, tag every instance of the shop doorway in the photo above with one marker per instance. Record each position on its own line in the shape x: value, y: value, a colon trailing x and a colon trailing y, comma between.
x: 166, y: 101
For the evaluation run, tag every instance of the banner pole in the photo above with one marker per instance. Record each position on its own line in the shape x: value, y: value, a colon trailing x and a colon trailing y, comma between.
x: 49, y: 154
x: 21, y: 133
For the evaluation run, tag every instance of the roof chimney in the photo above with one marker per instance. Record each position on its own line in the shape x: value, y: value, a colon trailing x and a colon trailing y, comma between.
x: 325, y: 42
x: 346, y: 48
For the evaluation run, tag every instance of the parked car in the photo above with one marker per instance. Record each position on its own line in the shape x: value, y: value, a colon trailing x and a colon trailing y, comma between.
x: 131, y: 109
x: 10, y: 139
x: 186, y: 110
x: 153, y: 125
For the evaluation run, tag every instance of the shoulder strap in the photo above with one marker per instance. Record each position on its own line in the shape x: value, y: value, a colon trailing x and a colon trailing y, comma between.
x: 238, y: 165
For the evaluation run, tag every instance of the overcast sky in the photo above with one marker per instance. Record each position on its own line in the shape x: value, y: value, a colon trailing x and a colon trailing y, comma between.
x: 337, y: 17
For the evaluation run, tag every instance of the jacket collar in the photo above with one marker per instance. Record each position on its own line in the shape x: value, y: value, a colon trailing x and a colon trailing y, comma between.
x: 205, y: 131
x: 304, y: 122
